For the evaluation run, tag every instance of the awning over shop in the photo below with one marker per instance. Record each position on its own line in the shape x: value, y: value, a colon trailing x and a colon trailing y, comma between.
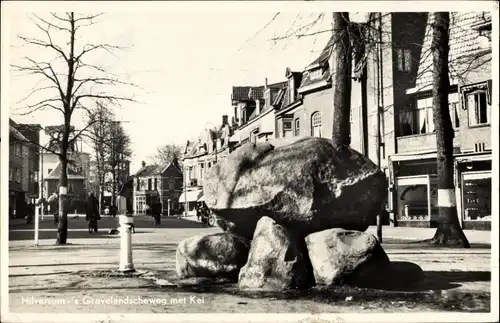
x: 201, y: 198
x: 403, y: 157
x: 190, y: 196
x: 474, y: 157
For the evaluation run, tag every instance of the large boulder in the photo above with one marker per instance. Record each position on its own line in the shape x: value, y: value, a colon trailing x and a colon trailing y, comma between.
x: 276, y: 262
x: 219, y: 255
x: 307, y: 185
x: 345, y: 256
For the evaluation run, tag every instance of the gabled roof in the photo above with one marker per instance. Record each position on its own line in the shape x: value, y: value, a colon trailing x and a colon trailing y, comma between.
x: 73, y: 173
x: 464, y: 41
x: 148, y: 170
x: 154, y: 169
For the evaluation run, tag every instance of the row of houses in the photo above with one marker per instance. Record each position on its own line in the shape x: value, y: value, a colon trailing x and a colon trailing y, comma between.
x: 391, y: 115
x: 34, y: 173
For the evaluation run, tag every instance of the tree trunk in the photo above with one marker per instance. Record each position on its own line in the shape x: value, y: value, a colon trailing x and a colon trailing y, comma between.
x: 341, y: 68
x: 449, y: 230
x: 62, y: 226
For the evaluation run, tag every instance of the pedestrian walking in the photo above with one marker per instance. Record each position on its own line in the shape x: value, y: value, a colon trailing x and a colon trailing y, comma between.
x: 156, y: 212
x: 92, y: 212
x: 53, y: 202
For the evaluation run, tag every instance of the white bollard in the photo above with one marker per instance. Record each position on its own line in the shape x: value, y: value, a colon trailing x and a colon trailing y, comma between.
x: 126, y: 264
x: 37, y: 224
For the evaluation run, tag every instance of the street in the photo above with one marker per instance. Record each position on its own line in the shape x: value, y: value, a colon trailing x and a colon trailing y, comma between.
x: 77, y: 277
x: 77, y: 227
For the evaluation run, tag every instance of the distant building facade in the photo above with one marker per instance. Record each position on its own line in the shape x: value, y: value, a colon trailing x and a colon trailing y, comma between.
x: 24, y: 143
x: 211, y: 146
x: 78, y: 174
x: 153, y: 182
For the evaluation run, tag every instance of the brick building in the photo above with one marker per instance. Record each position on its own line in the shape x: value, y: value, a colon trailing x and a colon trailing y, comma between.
x: 152, y: 182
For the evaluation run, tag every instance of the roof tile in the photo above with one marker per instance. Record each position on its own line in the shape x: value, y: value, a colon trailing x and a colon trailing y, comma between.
x: 463, y: 41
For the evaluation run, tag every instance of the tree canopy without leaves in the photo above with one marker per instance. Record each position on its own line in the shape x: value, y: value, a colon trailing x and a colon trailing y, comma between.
x: 166, y: 154
x: 68, y: 80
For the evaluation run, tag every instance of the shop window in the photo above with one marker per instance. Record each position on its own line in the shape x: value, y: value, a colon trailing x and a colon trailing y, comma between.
x: 297, y: 127
x: 477, y: 197
x: 413, y: 199
x: 316, y: 124
x: 404, y: 59
x: 478, y: 108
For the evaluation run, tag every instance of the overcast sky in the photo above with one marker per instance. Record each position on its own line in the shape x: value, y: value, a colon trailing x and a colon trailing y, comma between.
x: 185, y: 65
x: 185, y: 60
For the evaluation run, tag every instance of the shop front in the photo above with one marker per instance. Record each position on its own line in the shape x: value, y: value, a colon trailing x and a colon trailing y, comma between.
x: 475, y: 191
x: 414, y: 191
x: 189, y: 199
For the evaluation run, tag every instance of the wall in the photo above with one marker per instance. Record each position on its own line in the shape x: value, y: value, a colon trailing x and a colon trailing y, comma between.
x: 477, y: 134
x: 423, y: 142
x: 322, y: 101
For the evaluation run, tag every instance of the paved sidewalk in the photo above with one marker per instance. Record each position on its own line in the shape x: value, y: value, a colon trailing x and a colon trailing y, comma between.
x: 407, y: 233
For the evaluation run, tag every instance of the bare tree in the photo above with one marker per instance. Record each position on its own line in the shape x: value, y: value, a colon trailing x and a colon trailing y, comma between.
x: 449, y: 230
x: 166, y: 154
x: 99, y: 134
x: 119, y: 153
x: 67, y: 82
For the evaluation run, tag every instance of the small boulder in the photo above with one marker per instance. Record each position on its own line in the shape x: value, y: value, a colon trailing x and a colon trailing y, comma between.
x: 276, y: 261
x: 346, y: 256
x: 307, y: 186
x: 219, y: 255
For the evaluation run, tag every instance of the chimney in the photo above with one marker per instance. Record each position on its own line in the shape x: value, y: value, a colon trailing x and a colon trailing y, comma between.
x: 224, y: 120
x: 143, y: 164
x: 265, y: 82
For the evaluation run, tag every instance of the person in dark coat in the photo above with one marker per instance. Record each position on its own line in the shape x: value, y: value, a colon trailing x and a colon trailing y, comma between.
x: 156, y: 212
x: 92, y: 212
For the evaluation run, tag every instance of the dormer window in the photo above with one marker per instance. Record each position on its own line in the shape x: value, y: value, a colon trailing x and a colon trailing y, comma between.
x: 315, y: 74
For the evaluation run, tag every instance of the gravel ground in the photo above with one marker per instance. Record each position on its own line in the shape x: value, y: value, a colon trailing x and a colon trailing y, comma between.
x: 76, y: 279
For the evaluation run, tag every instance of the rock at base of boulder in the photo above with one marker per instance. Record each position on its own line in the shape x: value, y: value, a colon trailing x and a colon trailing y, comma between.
x: 276, y: 261
x: 219, y: 255
x: 346, y: 256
